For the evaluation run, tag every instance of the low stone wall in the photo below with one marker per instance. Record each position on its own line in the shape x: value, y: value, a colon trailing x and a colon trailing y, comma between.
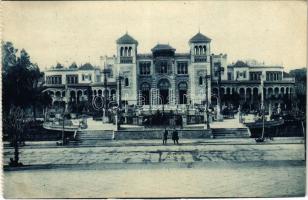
x: 157, y: 134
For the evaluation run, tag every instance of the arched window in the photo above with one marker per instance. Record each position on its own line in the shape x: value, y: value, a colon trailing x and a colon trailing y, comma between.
x: 200, y: 80
x: 145, y: 92
x: 99, y: 92
x: 282, y: 90
x: 106, y: 93
x: 145, y: 87
x: 126, y: 82
x: 197, y: 50
x: 125, y: 51
x: 200, y: 50
x: 129, y: 51
x: 121, y: 51
x: 58, y: 94
x: 148, y: 71
x: 204, y: 49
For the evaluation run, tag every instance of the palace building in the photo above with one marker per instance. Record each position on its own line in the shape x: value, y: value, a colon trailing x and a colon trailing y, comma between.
x: 165, y: 77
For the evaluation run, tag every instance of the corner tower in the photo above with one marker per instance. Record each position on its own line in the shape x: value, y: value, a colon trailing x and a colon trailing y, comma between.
x: 200, y: 66
x: 126, y: 67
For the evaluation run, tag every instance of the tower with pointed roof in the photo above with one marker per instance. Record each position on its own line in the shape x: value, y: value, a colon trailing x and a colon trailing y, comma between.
x: 126, y: 66
x: 200, y: 66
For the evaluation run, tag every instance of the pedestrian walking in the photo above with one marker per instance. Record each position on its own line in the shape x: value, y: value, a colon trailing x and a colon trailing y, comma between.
x: 175, y: 137
x: 165, y: 137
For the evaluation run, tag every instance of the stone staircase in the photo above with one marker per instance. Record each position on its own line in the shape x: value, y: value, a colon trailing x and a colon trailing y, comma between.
x: 230, y: 133
x: 91, y: 137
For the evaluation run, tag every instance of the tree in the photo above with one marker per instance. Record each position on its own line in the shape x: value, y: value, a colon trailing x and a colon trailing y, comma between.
x: 300, y: 76
x: 22, y: 80
x: 8, y: 56
x: 13, y: 124
x: 45, y: 100
x: 22, y: 87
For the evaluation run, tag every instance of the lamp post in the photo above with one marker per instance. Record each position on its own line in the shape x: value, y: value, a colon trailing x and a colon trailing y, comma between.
x: 120, y: 78
x: 219, y: 84
x: 64, y: 111
x: 207, y: 101
x: 105, y: 71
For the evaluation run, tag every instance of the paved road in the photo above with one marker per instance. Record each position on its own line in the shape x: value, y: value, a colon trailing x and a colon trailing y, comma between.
x: 137, y: 169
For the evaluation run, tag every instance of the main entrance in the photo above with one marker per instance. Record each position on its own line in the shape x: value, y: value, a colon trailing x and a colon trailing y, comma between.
x: 145, y: 92
x: 182, y: 93
x: 163, y: 86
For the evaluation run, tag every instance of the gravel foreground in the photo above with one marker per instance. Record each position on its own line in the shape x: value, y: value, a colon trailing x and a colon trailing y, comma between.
x: 218, y: 179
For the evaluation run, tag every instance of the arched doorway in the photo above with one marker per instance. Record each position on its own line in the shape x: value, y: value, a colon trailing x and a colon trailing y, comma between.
x: 72, y: 96
x: 79, y: 95
x: 270, y: 92
x: 276, y: 91
x: 145, y: 92
x: 228, y: 91
x: 113, y: 94
x: 163, y: 86
x: 182, y: 92
x: 242, y: 93
x: 249, y: 95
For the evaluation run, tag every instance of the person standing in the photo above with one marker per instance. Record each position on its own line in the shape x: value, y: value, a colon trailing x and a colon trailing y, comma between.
x: 165, y: 137
x: 176, y: 136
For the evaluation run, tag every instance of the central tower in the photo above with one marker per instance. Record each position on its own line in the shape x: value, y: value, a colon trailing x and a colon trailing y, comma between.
x: 164, y: 69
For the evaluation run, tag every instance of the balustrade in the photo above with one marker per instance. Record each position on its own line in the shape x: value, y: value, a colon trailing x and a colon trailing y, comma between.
x: 126, y: 59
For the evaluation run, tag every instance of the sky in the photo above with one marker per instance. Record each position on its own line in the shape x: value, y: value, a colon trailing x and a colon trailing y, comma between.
x: 273, y: 32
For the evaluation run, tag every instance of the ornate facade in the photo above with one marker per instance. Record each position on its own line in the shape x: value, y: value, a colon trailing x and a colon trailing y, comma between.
x: 164, y: 77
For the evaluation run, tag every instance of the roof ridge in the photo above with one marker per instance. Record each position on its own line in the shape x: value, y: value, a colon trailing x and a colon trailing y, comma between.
x: 199, y: 38
x: 126, y: 39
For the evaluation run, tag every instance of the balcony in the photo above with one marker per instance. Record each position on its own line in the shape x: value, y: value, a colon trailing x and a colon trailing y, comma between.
x: 54, y: 85
x: 289, y: 79
x: 199, y: 59
x: 124, y: 60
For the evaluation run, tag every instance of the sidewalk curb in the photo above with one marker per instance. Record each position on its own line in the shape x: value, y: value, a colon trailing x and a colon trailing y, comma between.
x: 159, y: 165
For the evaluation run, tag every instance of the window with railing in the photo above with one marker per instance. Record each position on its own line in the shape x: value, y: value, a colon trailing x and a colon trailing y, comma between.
x: 55, y: 79
x: 126, y: 60
x: 86, y: 77
x: 71, y: 79
x: 200, y: 58
x: 229, y: 76
x: 182, y: 67
x: 217, y: 69
x: 273, y: 76
x: 255, y: 76
x: 145, y: 68
x: 163, y: 67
